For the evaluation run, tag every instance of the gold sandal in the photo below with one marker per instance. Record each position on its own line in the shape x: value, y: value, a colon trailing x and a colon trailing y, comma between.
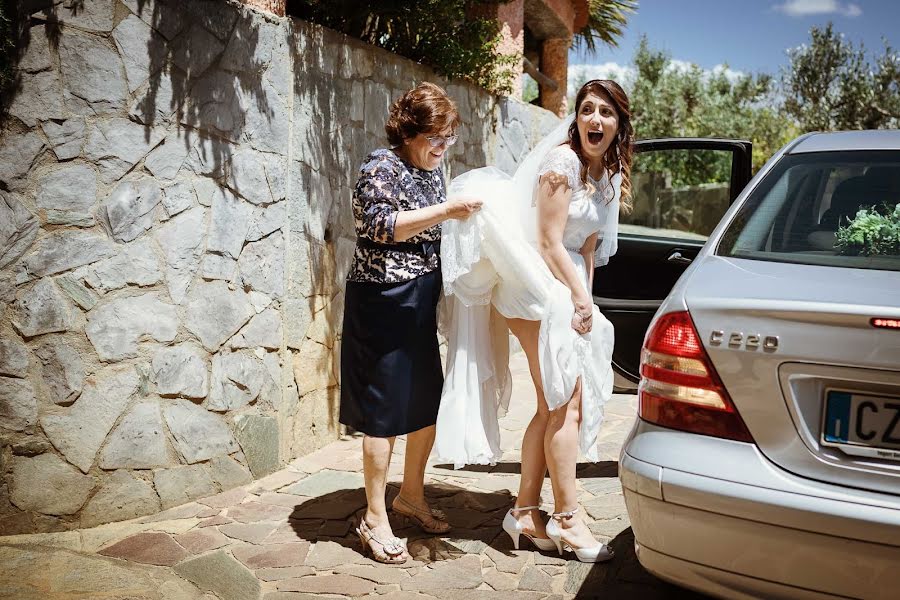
x: 431, y: 521
x: 390, y: 551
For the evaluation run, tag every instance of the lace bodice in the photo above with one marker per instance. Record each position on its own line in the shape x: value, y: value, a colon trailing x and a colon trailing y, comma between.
x: 588, y: 209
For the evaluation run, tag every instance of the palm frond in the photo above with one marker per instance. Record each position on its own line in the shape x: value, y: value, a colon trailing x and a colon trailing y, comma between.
x: 606, y: 23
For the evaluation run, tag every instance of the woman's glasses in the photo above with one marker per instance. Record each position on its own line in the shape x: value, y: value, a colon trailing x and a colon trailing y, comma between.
x: 437, y: 141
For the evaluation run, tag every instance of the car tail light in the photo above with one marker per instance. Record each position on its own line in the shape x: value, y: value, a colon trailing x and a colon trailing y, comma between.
x: 885, y: 323
x: 680, y: 388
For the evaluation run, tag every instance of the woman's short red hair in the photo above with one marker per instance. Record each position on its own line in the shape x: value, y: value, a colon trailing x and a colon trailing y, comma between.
x: 424, y: 109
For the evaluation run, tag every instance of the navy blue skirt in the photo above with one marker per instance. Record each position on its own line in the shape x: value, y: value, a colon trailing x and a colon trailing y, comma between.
x: 391, y: 375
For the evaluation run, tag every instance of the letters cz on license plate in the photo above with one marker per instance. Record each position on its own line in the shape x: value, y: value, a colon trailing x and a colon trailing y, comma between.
x: 862, y: 424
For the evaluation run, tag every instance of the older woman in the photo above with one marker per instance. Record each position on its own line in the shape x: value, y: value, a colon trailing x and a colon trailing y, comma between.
x: 391, y: 376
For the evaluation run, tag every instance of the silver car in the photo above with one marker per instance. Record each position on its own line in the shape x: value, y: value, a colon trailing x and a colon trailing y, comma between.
x: 765, y: 462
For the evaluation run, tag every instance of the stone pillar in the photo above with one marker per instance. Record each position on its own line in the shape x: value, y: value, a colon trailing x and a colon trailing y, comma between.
x: 276, y: 7
x: 511, y: 17
x: 555, y: 65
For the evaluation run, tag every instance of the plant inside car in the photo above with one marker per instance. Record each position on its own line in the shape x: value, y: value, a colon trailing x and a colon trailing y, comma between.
x: 871, y: 233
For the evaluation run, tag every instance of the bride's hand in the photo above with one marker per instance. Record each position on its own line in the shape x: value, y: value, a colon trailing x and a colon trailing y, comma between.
x: 583, y: 318
x: 462, y: 208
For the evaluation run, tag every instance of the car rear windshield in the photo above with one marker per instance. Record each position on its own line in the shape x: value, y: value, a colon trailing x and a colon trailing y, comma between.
x: 823, y: 208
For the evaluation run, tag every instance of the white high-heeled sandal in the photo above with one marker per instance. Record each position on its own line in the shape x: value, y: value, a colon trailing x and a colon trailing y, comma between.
x: 599, y: 553
x: 512, y: 526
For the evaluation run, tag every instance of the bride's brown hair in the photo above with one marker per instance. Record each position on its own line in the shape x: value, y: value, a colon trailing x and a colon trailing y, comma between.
x: 619, y: 154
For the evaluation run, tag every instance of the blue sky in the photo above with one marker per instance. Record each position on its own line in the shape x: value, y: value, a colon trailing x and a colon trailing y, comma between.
x: 748, y: 35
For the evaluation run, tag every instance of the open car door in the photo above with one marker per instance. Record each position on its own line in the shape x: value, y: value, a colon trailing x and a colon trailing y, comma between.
x: 681, y: 187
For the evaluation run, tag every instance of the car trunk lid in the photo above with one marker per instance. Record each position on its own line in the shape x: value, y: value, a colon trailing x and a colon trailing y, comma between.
x: 788, y: 340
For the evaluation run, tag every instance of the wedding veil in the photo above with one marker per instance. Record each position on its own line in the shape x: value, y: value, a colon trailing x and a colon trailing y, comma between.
x: 522, y: 188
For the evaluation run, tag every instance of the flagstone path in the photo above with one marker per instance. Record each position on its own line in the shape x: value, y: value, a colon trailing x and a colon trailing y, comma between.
x: 290, y: 536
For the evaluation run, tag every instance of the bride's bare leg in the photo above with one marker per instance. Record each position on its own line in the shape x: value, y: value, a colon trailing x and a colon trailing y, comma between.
x: 561, y: 446
x: 534, y: 464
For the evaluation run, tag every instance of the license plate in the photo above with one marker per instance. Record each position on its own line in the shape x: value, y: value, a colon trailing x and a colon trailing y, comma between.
x: 862, y: 425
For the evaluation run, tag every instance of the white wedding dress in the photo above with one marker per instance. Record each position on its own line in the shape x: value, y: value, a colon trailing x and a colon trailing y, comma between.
x: 492, y: 270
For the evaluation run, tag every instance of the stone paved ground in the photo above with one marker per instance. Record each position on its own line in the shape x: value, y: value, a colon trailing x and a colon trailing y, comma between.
x: 289, y: 537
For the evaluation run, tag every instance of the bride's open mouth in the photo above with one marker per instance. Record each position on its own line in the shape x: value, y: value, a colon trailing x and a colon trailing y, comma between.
x: 594, y: 137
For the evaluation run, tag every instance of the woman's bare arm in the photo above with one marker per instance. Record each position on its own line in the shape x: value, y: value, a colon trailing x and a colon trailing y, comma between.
x: 413, y: 222
x: 554, y: 195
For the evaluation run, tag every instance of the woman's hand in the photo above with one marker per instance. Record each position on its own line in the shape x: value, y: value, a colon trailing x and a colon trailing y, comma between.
x: 462, y: 208
x: 415, y: 221
x: 583, y: 318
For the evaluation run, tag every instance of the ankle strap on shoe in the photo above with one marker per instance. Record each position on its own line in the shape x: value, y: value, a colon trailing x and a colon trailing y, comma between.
x: 565, y: 515
x: 518, y: 508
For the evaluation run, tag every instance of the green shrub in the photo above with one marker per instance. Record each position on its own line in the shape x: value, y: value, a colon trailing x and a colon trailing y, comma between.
x: 447, y: 36
x: 438, y: 33
x: 871, y: 233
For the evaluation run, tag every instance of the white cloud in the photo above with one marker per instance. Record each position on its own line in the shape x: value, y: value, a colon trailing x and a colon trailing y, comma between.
x: 682, y: 66
x: 730, y: 73
x: 802, y: 8
x: 578, y: 74
x: 624, y: 74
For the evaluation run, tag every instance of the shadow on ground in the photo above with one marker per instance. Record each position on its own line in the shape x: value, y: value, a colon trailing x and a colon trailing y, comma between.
x: 476, y: 519
x: 607, y: 468
x: 624, y: 577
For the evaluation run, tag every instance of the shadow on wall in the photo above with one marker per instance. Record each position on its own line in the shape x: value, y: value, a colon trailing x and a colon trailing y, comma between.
x: 206, y: 74
x: 319, y: 221
x: 143, y: 232
x: 175, y: 229
x: 210, y: 79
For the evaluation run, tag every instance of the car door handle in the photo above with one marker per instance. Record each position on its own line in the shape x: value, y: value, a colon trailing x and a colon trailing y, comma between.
x: 678, y: 258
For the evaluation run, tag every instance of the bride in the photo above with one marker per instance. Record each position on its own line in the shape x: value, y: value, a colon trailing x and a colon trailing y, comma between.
x: 525, y: 263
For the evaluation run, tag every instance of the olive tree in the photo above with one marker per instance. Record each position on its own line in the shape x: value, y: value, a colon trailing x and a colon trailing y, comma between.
x: 831, y: 85
x: 670, y: 99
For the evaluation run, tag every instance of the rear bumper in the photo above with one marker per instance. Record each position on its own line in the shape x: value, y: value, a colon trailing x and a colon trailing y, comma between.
x: 769, y: 535
x: 720, y: 583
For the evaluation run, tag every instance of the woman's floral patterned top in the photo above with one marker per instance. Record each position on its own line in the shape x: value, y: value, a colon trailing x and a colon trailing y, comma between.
x: 387, y: 184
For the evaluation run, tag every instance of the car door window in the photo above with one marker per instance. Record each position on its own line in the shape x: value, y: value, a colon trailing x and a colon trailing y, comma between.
x: 679, y: 193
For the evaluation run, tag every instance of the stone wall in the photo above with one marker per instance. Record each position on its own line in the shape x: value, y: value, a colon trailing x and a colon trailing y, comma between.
x: 175, y: 229
x: 519, y: 127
